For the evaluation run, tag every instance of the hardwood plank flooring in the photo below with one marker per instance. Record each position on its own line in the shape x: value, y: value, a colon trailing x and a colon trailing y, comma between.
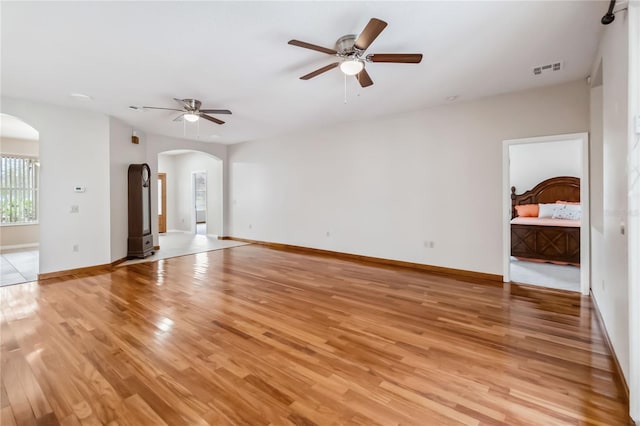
x: 253, y: 335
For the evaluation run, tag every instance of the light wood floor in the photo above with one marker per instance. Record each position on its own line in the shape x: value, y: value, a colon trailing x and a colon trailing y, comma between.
x: 252, y: 335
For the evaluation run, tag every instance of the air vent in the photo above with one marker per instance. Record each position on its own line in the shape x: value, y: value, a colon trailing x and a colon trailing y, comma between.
x: 547, y: 68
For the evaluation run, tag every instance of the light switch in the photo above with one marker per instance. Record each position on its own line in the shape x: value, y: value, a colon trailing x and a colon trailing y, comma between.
x: 75, y: 209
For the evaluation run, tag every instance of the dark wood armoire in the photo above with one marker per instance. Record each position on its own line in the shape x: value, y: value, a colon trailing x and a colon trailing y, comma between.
x: 140, y: 241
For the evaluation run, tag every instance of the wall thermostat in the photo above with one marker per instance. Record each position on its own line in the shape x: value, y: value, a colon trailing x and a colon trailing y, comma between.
x: 79, y: 188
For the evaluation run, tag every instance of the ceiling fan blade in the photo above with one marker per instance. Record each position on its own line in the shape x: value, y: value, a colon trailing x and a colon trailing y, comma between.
x: 364, y: 79
x: 168, y: 109
x: 319, y: 71
x: 312, y: 47
x: 216, y: 111
x: 370, y: 32
x: 404, y: 58
x: 210, y: 118
x: 179, y: 118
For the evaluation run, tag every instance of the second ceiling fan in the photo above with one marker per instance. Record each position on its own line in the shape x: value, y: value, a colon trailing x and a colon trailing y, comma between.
x: 351, y: 50
x: 191, y: 111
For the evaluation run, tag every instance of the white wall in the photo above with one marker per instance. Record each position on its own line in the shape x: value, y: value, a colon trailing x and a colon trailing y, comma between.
x: 19, y: 236
x: 609, y: 244
x: 383, y: 187
x: 74, y: 151
x: 634, y: 211
x: 596, y: 165
x: 180, y: 189
x: 122, y: 153
x: 26, y: 147
x: 532, y: 163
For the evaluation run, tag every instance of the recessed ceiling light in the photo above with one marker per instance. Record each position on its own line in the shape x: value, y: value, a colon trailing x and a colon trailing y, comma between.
x: 452, y: 98
x: 80, y: 97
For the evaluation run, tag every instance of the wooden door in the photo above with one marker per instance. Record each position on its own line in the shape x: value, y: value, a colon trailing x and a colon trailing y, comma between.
x: 162, y: 203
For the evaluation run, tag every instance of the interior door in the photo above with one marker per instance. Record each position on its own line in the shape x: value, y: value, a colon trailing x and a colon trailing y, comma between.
x: 162, y: 203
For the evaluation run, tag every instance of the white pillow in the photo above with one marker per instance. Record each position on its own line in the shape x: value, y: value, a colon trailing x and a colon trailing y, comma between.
x: 547, y: 210
x: 568, y: 211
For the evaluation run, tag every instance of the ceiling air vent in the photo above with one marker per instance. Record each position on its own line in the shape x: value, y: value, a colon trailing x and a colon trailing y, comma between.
x: 547, y: 68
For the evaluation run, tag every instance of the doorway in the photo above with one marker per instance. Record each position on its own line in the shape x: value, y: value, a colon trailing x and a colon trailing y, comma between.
x: 162, y: 203
x: 548, y: 273
x: 20, y: 201
x: 194, y: 193
x: 200, y: 202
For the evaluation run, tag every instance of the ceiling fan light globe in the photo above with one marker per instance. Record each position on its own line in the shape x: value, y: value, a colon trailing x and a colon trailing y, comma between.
x: 191, y: 118
x: 351, y: 67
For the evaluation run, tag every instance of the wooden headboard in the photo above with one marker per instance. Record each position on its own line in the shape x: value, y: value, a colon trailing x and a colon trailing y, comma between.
x: 565, y: 188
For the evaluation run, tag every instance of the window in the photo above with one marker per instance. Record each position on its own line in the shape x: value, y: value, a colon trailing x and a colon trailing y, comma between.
x: 19, y: 189
x: 200, y: 191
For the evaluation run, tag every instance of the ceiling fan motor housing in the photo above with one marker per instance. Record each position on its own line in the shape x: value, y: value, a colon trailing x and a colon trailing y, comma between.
x: 346, y: 46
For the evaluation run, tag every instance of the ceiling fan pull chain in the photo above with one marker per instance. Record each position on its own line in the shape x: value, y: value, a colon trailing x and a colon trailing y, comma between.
x: 198, y: 136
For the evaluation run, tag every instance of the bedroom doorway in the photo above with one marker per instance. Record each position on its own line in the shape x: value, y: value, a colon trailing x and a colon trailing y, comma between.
x: 553, y: 250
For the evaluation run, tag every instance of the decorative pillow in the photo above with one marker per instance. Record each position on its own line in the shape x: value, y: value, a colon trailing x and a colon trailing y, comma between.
x: 577, y: 203
x: 527, y: 210
x: 568, y: 211
x: 547, y: 210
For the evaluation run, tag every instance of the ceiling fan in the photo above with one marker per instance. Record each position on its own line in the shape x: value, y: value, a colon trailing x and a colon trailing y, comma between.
x: 191, y: 111
x: 351, y: 50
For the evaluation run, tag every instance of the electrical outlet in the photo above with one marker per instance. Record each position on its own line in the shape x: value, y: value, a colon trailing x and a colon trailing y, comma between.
x: 432, y: 244
x: 328, y: 234
x: 75, y: 209
x: 76, y: 247
x: 428, y: 244
x: 250, y: 226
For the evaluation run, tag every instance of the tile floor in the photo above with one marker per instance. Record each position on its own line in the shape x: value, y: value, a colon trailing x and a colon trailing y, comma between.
x: 177, y: 243
x: 563, y: 277
x: 18, y: 266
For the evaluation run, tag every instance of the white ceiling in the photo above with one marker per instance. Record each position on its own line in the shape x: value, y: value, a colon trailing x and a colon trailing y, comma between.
x: 235, y: 55
x: 14, y: 128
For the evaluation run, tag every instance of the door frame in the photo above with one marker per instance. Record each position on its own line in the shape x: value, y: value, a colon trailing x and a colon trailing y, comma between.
x: 162, y: 202
x: 585, y: 226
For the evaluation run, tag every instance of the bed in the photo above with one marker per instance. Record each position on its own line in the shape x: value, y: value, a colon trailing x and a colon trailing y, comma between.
x: 548, y: 240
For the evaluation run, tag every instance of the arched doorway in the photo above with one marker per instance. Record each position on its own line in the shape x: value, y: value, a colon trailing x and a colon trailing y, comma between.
x: 190, y: 184
x: 189, y: 203
x: 20, y: 201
